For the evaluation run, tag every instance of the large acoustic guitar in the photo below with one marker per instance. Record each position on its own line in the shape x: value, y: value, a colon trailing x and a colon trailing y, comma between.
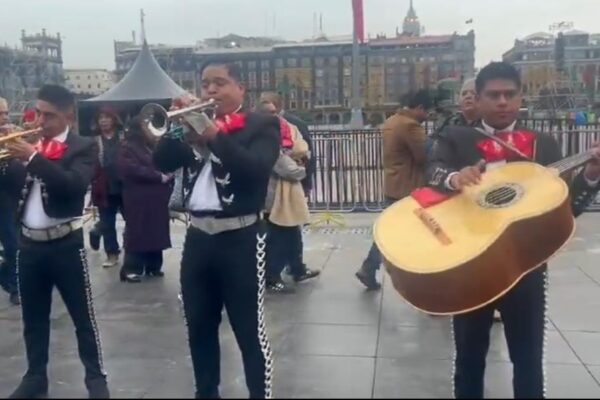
x: 469, y: 249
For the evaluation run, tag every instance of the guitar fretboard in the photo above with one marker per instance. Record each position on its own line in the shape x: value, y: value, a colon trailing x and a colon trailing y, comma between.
x: 572, y: 162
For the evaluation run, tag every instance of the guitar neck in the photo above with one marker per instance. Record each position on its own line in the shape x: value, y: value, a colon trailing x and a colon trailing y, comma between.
x: 570, y: 163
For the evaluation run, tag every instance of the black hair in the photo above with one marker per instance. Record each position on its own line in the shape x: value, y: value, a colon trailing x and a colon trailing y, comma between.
x: 58, y: 96
x: 421, y: 98
x: 497, y: 70
x: 233, y: 69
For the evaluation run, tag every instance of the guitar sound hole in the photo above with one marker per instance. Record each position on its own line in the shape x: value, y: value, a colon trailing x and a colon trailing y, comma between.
x: 501, y: 196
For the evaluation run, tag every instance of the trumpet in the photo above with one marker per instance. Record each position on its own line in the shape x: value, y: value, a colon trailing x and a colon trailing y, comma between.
x: 157, y: 117
x: 4, y: 152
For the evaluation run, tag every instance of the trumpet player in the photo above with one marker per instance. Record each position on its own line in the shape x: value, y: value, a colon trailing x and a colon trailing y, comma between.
x: 227, y: 163
x: 9, y: 197
x: 51, y: 250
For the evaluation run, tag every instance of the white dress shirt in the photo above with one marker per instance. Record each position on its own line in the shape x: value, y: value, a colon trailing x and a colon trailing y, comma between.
x: 205, y: 196
x: 34, y: 215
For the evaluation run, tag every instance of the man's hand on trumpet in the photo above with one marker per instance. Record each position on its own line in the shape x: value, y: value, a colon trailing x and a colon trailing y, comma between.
x: 20, y: 149
x: 209, y: 131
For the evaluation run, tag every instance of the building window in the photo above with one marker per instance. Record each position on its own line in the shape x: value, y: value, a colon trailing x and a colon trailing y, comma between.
x: 90, y: 86
x: 251, y: 64
x: 319, y: 73
x: 292, y: 105
x: 291, y: 62
x: 319, y: 61
x: 305, y: 62
x: 265, y: 64
x: 98, y: 86
x: 279, y: 63
x: 252, y: 79
x: 306, y: 104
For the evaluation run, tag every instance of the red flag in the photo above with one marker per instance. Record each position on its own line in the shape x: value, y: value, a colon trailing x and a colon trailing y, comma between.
x: 359, y: 22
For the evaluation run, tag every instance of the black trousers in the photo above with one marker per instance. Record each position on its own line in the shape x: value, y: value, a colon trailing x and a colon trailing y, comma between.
x: 226, y: 269
x: 41, y: 267
x: 9, y: 240
x: 373, y: 260
x: 108, y: 221
x: 523, y: 311
x: 140, y: 262
x: 285, y: 247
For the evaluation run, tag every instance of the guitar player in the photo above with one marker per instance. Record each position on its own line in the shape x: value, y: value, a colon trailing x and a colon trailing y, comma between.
x: 459, y: 156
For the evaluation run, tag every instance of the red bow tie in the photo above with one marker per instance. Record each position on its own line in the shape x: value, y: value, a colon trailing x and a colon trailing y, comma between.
x: 231, y: 122
x: 51, y: 149
x: 524, y: 141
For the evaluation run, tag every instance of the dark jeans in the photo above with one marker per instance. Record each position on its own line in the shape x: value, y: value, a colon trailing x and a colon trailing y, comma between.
x: 108, y: 222
x: 226, y: 269
x: 373, y: 260
x: 140, y: 262
x: 523, y: 311
x: 9, y: 240
x: 284, y: 247
x: 62, y: 264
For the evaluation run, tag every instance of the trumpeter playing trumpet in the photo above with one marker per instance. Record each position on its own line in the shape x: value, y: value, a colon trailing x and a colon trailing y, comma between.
x: 9, y: 197
x: 51, y: 250
x: 226, y: 165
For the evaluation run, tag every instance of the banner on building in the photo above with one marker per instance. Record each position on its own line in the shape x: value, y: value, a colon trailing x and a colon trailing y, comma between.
x: 359, y: 20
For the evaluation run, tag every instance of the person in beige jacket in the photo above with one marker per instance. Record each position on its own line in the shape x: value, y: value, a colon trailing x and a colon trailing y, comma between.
x: 286, y: 209
x: 404, y: 159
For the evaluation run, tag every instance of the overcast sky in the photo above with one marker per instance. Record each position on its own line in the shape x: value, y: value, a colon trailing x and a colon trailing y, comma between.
x: 90, y: 26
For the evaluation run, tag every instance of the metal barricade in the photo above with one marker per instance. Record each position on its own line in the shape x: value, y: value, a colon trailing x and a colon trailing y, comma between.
x: 349, y: 163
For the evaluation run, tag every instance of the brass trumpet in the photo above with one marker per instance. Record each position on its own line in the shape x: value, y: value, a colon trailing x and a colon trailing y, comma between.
x: 4, y: 152
x: 157, y: 117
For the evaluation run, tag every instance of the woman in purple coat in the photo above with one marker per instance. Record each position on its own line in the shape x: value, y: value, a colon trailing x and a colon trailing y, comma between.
x: 146, y: 195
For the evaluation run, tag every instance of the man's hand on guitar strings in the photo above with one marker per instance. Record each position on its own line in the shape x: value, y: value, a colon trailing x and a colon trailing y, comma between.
x: 468, y: 176
x: 592, y: 169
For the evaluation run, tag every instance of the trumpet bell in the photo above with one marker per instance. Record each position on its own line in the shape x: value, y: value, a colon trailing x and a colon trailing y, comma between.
x: 156, y: 118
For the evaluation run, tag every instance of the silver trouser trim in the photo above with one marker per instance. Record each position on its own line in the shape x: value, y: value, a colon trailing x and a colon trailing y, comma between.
x: 453, y: 396
x: 546, y: 321
x: 90, y: 308
x: 52, y: 233
x: 212, y: 225
x: 263, y: 338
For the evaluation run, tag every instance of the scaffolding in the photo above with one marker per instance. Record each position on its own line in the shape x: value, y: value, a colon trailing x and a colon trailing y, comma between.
x: 558, y: 98
x: 24, y: 70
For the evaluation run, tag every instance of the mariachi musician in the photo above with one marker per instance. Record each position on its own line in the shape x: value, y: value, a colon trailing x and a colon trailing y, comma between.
x: 51, y: 251
x: 226, y: 165
x: 10, y: 190
x: 458, y: 156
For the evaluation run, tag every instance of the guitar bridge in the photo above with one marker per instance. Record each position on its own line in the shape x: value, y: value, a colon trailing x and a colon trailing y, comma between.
x: 433, y: 226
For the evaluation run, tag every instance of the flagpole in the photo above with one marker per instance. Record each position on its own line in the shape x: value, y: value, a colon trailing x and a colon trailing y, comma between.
x: 356, y: 121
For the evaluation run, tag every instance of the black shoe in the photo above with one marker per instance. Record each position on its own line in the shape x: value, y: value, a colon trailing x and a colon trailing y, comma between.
x: 155, y: 274
x: 308, y: 274
x: 130, y: 278
x: 97, y: 389
x: 31, y: 388
x: 280, y: 287
x: 368, y: 279
x: 14, y: 299
x: 94, y: 237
